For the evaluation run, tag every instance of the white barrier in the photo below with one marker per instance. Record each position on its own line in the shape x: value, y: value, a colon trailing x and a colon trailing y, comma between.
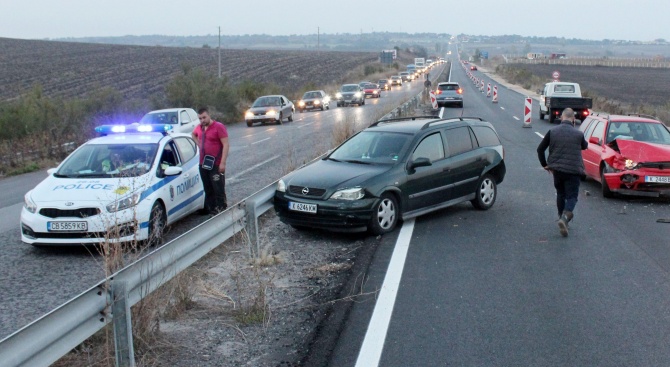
x: 528, y: 109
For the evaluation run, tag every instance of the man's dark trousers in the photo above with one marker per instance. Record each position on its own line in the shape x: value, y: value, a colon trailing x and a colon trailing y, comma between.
x: 567, y: 191
x: 214, y: 184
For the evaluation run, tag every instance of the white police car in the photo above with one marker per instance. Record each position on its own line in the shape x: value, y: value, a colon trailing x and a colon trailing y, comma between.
x: 127, y: 185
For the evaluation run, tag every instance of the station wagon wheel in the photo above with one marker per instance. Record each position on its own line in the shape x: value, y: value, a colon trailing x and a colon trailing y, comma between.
x: 384, y: 215
x: 157, y: 223
x: 486, y: 193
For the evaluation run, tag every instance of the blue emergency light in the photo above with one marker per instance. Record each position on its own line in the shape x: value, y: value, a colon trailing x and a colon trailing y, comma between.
x: 133, y: 128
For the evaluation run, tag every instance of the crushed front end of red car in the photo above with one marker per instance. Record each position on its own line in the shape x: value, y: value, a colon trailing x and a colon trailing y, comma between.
x: 638, y: 168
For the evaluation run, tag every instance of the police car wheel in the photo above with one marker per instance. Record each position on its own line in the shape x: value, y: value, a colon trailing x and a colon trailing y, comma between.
x: 157, y: 222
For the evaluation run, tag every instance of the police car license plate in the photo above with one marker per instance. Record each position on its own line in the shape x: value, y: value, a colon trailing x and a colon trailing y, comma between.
x: 67, y: 226
x: 302, y: 207
x: 657, y: 179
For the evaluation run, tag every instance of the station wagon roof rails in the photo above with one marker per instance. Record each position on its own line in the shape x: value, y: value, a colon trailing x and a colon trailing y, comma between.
x: 642, y: 115
x: 450, y: 119
x: 399, y: 119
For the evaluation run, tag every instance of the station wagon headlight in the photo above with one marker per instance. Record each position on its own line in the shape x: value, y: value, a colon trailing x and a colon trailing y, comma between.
x: 348, y: 194
x: 249, y: 114
x: 29, y: 204
x: 281, y: 186
x: 124, y: 203
x: 631, y: 164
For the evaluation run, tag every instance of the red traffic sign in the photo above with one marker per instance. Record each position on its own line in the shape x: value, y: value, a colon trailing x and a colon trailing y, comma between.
x: 556, y: 74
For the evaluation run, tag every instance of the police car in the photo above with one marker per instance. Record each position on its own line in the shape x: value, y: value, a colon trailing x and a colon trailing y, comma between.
x: 126, y: 185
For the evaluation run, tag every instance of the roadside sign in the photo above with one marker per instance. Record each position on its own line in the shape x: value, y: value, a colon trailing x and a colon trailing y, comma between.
x: 527, y: 111
x: 556, y: 75
x: 433, y: 100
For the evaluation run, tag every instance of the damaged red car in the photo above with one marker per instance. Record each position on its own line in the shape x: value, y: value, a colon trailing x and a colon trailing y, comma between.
x: 627, y: 154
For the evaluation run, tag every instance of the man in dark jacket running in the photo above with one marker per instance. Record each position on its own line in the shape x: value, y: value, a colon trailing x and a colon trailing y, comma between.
x: 565, y: 144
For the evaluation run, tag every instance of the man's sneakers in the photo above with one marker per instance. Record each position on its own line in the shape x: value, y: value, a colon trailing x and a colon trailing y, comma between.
x: 563, y: 223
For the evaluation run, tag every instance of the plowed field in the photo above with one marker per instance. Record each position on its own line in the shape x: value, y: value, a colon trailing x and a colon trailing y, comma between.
x: 625, y: 84
x: 73, y: 69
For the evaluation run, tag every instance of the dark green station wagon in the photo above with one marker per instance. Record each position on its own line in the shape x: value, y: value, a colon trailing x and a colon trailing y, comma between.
x: 394, y: 170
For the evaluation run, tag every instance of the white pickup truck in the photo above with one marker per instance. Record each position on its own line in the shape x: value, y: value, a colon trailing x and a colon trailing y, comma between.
x: 557, y: 96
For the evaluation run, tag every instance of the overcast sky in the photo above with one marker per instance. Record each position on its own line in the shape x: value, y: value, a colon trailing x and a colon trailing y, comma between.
x: 642, y: 20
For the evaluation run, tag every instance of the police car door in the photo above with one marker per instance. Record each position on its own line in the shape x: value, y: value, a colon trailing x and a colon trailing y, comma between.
x: 188, y: 154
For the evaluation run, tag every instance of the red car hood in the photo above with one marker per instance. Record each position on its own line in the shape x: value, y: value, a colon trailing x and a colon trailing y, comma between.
x: 638, y: 151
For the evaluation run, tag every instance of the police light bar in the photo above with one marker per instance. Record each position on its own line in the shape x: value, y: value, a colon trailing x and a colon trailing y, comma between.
x: 133, y: 128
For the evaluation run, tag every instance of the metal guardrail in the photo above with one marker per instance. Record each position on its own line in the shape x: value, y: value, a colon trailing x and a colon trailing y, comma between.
x: 53, y: 335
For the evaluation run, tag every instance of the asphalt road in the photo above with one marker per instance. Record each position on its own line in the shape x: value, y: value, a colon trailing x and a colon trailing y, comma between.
x: 503, y: 288
x: 34, y: 281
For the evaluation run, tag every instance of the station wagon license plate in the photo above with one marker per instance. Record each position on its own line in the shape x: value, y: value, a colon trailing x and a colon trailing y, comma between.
x: 302, y: 207
x: 657, y: 179
x: 67, y: 226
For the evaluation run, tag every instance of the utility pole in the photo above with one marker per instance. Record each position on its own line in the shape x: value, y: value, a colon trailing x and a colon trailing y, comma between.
x: 318, y: 35
x: 219, y: 52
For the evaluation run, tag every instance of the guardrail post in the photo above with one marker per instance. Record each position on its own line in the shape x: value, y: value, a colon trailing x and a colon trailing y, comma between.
x: 123, y: 328
x: 251, y: 226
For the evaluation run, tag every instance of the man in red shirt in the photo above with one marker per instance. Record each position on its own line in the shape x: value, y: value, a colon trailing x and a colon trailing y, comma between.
x: 212, y: 138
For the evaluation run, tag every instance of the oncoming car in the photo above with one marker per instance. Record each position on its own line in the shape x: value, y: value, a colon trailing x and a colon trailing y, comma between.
x: 393, y: 170
x: 627, y: 154
x: 350, y: 94
x: 273, y: 108
x: 121, y: 187
x: 312, y: 100
x: 373, y: 90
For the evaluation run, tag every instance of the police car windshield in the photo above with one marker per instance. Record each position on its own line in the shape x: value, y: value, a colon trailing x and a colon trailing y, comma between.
x: 109, y: 160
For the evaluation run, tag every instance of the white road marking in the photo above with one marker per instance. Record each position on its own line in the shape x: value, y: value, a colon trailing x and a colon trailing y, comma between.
x: 233, y: 177
x: 371, y: 351
x: 262, y: 140
x: 516, y: 118
x: 540, y: 135
x: 442, y: 112
x: 307, y: 124
x: 502, y: 108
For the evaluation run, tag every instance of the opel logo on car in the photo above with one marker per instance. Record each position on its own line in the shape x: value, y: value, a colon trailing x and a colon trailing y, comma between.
x: 69, y: 203
x: 305, y: 190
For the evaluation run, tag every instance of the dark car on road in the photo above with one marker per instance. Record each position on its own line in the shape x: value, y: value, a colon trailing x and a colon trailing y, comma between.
x: 350, y: 94
x: 384, y: 84
x: 449, y: 93
x: 314, y: 100
x: 394, y: 170
x: 273, y: 108
x: 627, y: 154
